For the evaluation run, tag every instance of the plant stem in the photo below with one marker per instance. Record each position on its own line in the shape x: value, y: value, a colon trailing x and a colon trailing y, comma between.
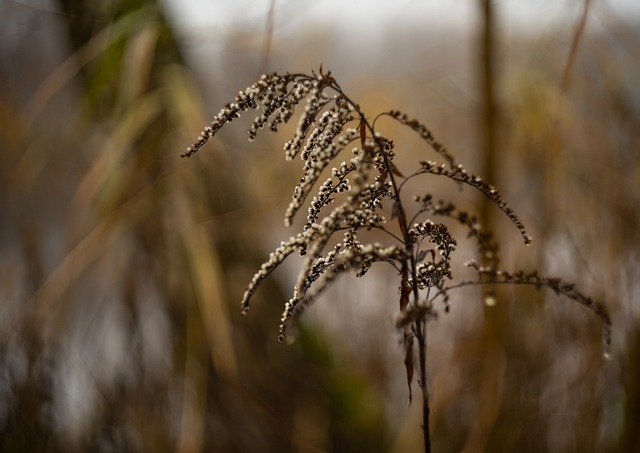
x: 420, y: 325
x: 421, y: 329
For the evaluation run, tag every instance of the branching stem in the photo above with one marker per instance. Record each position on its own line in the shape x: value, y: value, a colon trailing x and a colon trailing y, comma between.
x: 420, y: 324
x: 363, y: 208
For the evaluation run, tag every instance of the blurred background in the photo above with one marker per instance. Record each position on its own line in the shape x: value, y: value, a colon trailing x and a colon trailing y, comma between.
x: 122, y: 266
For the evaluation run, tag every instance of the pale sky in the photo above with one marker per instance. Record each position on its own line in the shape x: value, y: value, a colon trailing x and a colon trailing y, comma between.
x: 361, y: 26
x: 291, y: 13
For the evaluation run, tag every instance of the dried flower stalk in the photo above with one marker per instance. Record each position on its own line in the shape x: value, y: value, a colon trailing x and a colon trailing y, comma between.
x: 329, y: 124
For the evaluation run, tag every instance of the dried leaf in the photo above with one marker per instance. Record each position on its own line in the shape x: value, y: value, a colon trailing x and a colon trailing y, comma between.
x: 395, y: 170
x: 408, y: 362
x: 422, y: 254
x: 395, y: 210
x: 363, y: 133
x: 405, y: 289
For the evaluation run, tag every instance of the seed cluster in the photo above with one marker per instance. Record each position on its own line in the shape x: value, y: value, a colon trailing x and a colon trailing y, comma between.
x: 318, y: 153
x: 269, y: 93
x: 433, y: 273
x: 488, y: 248
x: 356, y: 195
x: 557, y: 285
x: 424, y: 133
x: 459, y: 174
x: 324, y: 270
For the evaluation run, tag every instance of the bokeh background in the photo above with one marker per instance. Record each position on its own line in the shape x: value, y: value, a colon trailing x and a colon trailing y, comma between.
x: 122, y: 265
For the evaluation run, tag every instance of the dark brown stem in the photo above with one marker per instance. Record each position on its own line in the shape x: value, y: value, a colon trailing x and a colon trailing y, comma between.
x: 421, y: 335
x: 420, y: 325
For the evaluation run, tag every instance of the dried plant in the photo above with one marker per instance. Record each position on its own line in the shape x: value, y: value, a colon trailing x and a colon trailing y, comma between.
x: 365, y: 192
